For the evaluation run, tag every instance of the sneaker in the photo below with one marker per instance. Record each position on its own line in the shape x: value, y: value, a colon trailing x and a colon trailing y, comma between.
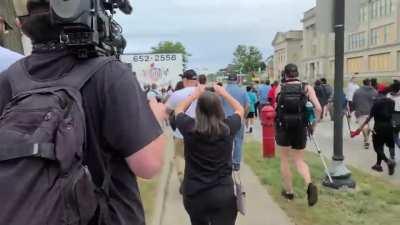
x: 312, y: 194
x: 288, y: 196
x: 391, y: 166
x: 377, y: 168
x: 366, y: 145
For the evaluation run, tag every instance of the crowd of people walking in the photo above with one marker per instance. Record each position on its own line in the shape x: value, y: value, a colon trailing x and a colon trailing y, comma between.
x: 209, y: 126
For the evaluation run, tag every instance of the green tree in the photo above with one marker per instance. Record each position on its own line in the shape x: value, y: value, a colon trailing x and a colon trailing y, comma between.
x: 172, y: 47
x: 248, y: 58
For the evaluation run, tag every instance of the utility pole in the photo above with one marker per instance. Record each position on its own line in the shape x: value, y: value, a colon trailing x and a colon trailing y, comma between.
x: 12, y: 39
x: 340, y: 174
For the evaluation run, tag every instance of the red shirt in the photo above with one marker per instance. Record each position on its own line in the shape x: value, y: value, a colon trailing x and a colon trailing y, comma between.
x: 271, y: 96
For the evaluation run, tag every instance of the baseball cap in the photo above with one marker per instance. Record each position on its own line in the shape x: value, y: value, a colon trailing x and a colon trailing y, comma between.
x: 189, y: 74
x: 232, y: 77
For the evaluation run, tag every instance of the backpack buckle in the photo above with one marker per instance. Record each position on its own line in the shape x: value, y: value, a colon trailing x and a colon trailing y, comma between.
x: 35, y: 149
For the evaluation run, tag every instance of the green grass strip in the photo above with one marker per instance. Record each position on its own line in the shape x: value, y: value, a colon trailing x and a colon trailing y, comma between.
x: 374, y: 202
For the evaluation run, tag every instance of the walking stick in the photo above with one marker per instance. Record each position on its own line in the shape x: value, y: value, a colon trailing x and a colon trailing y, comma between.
x: 311, y: 135
x: 348, y: 116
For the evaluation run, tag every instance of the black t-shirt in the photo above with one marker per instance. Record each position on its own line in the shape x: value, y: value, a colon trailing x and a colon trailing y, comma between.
x: 116, y: 109
x: 382, y: 112
x: 208, y: 159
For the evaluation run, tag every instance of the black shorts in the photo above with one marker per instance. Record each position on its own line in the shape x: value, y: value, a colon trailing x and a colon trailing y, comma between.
x: 296, y: 139
x: 250, y: 115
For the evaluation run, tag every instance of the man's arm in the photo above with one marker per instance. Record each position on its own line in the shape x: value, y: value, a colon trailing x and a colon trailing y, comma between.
x: 131, y: 123
x: 148, y: 161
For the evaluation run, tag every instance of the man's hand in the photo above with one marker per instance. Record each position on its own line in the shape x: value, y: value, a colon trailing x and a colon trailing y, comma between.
x: 355, y: 133
x: 159, y: 109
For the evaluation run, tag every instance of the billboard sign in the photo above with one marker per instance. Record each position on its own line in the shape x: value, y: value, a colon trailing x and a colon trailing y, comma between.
x: 160, y: 69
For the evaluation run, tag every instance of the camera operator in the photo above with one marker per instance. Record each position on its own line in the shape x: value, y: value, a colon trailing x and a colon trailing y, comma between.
x: 115, y: 108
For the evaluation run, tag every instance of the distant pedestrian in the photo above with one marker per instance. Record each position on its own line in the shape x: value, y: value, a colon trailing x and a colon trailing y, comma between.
x: 263, y: 91
x: 170, y: 90
x: 291, y: 130
x: 7, y: 57
x: 328, y: 92
x: 322, y: 96
x: 202, y: 79
x: 250, y: 116
x: 374, y: 83
x: 363, y: 100
x: 208, y: 192
x: 179, y: 86
x: 154, y: 93
x: 395, y: 96
x: 352, y: 87
x: 189, y: 82
x: 241, y: 96
x: 256, y: 87
x: 382, y: 111
x: 272, y: 93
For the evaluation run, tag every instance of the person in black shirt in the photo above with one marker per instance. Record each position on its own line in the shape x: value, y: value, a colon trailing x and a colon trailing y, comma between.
x: 382, y: 111
x: 115, y: 109
x: 208, y: 192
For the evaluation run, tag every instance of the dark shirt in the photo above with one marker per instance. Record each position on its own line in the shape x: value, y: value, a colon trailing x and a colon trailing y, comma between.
x: 321, y: 95
x: 208, y: 159
x: 115, y: 109
x: 382, y: 111
x: 363, y: 100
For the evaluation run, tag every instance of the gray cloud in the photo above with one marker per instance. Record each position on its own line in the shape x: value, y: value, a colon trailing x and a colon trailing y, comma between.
x: 210, y: 29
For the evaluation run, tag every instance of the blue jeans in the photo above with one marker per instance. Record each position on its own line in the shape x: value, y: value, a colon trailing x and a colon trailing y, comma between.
x: 237, y: 146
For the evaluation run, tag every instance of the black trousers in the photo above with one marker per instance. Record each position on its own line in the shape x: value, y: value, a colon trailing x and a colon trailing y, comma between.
x: 380, y: 139
x: 216, y: 206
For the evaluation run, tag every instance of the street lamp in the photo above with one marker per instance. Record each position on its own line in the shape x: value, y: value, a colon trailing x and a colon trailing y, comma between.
x: 340, y: 174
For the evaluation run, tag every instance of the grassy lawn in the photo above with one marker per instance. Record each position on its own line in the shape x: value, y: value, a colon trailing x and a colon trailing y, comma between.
x: 374, y: 202
x: 148, y: 192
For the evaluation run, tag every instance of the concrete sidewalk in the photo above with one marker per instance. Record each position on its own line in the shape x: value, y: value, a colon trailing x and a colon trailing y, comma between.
x: 262, y: 210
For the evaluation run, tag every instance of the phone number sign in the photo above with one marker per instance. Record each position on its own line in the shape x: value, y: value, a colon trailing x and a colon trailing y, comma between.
x: 162, y: 69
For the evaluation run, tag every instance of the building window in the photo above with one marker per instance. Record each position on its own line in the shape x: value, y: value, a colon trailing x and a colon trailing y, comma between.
x: 380, y: 8
x: 356, y: 41
x: 382, y: 35
x: 364, y: 14
x: 354, y: 65
x: 380, y: 63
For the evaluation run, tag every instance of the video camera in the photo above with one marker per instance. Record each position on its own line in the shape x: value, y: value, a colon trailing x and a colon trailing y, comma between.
x: 88, y: 27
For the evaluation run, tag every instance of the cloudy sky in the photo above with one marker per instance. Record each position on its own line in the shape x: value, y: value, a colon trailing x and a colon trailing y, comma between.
x: 210, y: 29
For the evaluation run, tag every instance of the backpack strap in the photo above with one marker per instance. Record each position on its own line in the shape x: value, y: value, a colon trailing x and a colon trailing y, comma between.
x: 21, y: 82
x: 16, y: 151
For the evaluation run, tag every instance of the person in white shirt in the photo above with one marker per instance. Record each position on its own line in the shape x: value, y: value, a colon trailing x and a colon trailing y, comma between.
x: 352, y: 87
x: 190, y: 83
x: 7, y: 57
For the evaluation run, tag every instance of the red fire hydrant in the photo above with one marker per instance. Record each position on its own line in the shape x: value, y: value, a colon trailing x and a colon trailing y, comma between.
x: 268, y: 115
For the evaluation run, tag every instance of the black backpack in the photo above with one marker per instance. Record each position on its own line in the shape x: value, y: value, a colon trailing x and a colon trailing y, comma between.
x: 292, y: 100
x: 42, y: 135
